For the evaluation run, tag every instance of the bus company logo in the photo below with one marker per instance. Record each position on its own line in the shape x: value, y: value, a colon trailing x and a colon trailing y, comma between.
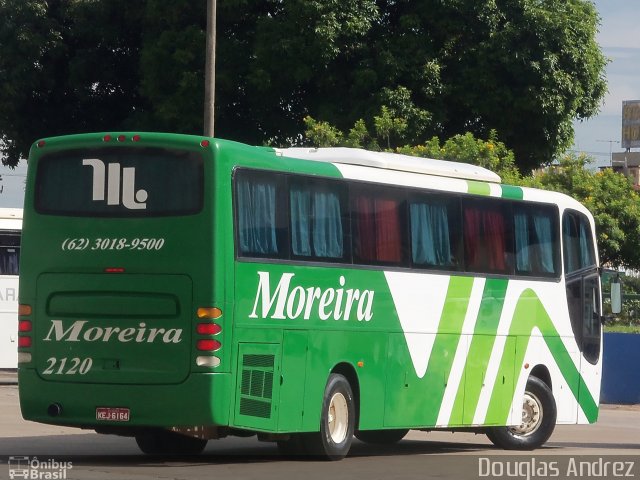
x: 110, y: 176
x: 296, y: 301
x: 32, y: 468
x: 77, y: 332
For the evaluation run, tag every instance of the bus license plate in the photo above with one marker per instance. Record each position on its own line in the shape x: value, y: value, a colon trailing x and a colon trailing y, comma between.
x: 111, y: 414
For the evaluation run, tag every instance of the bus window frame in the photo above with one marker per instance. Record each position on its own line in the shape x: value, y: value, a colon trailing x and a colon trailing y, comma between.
x: 406, y: 193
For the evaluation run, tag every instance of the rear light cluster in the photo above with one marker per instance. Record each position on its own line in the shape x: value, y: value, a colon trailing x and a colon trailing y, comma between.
x: 121, y: 138
x: 206, y: 329
x: 25, y: 327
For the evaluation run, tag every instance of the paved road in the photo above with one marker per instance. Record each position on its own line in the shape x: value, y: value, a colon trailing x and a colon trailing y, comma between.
x: 615, y: 438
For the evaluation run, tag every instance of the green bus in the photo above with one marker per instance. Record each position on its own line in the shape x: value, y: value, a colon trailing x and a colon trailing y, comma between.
x: 178, y: 288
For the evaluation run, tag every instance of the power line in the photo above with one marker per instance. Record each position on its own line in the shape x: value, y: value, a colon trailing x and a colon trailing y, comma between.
x: 610, y: 142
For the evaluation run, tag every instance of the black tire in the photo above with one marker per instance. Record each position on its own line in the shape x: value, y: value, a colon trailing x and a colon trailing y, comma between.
x: 382, y: 437
x: 337, y: 421
x: 164, y: 442
x: 539, y: 420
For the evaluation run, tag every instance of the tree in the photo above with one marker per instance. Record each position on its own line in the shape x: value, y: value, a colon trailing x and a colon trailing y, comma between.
x: 491, y: 153
x: 66, y: 66
x: 525, y: 68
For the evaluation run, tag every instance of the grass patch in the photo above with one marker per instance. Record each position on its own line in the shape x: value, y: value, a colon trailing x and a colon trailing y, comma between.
x: 622, y: 328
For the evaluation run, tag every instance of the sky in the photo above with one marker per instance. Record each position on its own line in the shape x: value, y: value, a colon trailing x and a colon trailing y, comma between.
x: 619, y: 37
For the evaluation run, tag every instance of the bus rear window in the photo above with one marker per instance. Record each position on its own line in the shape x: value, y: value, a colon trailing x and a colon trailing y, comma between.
x: 120, y: 182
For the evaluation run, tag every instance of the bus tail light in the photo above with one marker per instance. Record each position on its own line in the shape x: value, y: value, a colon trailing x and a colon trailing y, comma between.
x: 208, y: 345
x: 25, y: 326
x: 212, y: 313
x: 208, y: 361
x: 114, y: 270
x: 208, y: 328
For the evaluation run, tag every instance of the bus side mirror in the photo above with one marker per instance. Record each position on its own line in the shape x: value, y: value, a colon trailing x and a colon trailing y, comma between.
x: 616, y: 295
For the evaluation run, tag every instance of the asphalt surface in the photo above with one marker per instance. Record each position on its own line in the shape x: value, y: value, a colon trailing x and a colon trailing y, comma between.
x: 574, y: 451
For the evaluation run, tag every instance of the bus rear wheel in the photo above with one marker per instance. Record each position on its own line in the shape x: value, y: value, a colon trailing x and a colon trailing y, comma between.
x: 382, y: 437
x: 164, y: 442
x: 337, y: 421
x: 538, y: 420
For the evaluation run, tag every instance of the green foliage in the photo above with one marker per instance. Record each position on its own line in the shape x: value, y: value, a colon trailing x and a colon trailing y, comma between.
x: 66, y: 67
x: 618, y: 328
x: 321, y: 134
x: 491, y: 154
x: 387, y: 125
x: 523, y: 68
x: 171, y: 66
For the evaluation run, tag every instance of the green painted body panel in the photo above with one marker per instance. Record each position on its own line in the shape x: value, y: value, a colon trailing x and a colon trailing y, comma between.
x: 530, y: 314
x: 295, y: 348
x: 478, y: 188
x: 203, y: 399
x: 403, y: 385
x: 481, y: 344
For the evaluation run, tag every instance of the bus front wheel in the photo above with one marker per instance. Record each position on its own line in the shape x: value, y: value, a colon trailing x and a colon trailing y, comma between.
x: 538, y: 420
x: 337, y: 421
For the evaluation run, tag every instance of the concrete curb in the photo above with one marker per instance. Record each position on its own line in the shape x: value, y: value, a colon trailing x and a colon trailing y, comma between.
x: 8, y: 377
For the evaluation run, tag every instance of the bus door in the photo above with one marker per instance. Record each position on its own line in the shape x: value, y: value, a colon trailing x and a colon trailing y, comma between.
x: 582, y: 287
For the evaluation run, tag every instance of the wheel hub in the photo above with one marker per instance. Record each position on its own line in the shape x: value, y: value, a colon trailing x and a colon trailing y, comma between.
x: 338, y: 418
x: 531, y: 416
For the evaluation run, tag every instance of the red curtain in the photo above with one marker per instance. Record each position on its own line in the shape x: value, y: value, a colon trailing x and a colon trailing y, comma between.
x: 388, y: 231
x: 472, y: 238
x: 378, y: 230
x: 494, y: 237
x: 365, y: 244
x: 484, y: 239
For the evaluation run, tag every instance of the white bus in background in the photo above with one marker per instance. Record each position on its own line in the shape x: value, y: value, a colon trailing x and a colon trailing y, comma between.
x: 10, y: 229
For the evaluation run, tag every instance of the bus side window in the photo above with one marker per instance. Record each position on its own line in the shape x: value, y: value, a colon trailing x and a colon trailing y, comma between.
x: 434, y: 231
x: 578, y: 244
x: 378, y: 222
x: 261, y: 229
x: 318, y: 220
x: 536, y: 240
x: 486, y: 237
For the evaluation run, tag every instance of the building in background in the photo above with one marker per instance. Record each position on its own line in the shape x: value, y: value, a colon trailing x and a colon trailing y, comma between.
x: 628, y: 162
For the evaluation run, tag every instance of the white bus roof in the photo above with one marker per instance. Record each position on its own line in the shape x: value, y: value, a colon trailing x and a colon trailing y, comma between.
x: 392, y: 161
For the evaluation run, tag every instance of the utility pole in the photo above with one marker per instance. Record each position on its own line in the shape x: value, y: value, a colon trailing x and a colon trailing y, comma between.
x: 210, y: 70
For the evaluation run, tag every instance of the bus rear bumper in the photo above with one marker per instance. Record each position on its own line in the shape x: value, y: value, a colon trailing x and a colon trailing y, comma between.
x: 201, y: 400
